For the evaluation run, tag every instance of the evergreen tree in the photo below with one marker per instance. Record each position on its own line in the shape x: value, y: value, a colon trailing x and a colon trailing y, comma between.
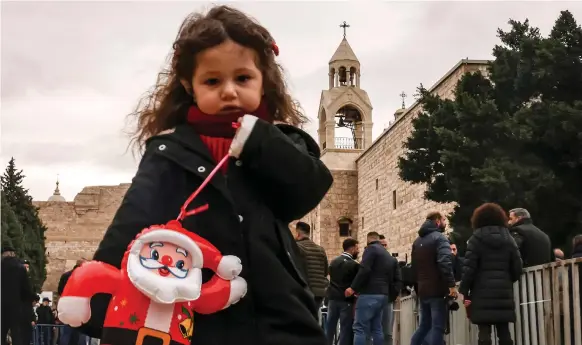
x: 512, y: 137
x: 6, y: 240
x: 20, y: 202
x: 12, y: 234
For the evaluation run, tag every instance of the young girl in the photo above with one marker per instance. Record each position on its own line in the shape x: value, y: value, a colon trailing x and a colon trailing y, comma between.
x: 224, y: 70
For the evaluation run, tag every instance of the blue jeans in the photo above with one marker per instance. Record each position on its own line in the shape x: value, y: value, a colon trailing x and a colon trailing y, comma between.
x: 387, y: 324
x: 433, y: 315
x: 368, y: 322
x: 344, y: 312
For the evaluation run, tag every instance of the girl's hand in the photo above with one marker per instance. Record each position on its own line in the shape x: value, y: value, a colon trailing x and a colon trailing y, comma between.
x: 244, y: 127
x: 467, y: 303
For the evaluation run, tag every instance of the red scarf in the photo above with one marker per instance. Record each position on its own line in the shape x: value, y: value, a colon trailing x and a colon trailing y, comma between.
x: 217, y: 132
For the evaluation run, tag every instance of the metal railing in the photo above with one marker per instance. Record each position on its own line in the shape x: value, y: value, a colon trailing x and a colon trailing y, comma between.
x: 58, y: 335
x: 46, y: 334
x: 347, y: 143
x: 548, y: 305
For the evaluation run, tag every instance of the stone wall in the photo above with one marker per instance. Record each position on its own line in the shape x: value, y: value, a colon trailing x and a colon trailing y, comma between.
x: 387, y: 204
x: 340, y: 201
x: 76, y: 228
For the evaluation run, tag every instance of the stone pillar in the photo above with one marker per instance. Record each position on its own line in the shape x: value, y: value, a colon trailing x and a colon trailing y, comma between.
x: 330, y: 133
x: 331, y: 79
x: 367, y: 133
x: 359, y: 134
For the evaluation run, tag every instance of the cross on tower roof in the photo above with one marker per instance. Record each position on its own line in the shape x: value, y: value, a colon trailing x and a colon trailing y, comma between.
x: 403, y: 96
x: 344, y: 26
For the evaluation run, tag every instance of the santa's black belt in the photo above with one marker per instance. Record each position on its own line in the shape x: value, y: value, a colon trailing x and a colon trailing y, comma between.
x: 143, y: 336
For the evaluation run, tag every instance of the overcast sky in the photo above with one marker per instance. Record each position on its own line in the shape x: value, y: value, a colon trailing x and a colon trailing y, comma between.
x: 72, y: 71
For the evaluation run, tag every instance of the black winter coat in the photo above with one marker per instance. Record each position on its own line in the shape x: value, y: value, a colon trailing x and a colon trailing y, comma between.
x: 316, y: 265
x: 492, y: 264
x: 277, y: 178
x: 379, y: 273
x: 342, y: 271
x: 458, y: 267
x: 16, y: 286
x: 432, y: 262
x: 45, y: 315
x: 534, y: 245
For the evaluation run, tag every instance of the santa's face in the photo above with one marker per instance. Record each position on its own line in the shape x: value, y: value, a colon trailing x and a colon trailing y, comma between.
x: 164, y: 272
x: 166, y: 259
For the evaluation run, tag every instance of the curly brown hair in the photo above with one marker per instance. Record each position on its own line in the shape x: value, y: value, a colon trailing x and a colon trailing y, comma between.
x: 488, y: 214
x: 165, y: 106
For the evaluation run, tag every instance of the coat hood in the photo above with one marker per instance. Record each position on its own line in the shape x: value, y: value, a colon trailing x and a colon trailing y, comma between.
x: 493, y: 236
x: 428, y: 227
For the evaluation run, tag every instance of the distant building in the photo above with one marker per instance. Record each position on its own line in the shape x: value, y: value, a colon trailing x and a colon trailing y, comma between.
x: 76, y: 227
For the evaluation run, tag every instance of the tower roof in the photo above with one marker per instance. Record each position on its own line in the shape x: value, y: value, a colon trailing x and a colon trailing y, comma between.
x: 344, y: 52
x: 57, y: 194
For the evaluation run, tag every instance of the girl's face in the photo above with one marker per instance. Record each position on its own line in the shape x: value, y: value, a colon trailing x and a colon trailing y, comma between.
x: 226, y: 80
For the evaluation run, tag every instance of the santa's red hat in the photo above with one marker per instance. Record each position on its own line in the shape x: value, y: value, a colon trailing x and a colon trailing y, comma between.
x: 174, y: 233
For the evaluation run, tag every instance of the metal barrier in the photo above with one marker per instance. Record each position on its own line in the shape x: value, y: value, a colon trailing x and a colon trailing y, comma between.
x: 46, y: 334
x: 58, y: 335
x: 548, y: 309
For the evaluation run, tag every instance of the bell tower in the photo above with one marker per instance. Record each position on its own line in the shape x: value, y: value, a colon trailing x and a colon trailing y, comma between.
x: 345, y: 131
x: 345, y: 110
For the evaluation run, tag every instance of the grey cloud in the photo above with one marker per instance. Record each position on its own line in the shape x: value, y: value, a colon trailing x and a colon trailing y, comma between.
x: 104, y: 151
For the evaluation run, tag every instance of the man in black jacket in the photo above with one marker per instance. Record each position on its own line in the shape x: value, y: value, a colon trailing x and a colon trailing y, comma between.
x: 47, y: 320
x: 342, y: 271
x: 534, y: 245
x: 315, y: 262
x: 15, y: 291
x: 374, y: 282
x: 388, y: 311
x: 432, y: 263
x: 28, y: 318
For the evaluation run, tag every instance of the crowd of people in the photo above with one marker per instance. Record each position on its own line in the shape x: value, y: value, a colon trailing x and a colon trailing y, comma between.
x: 361, y: 294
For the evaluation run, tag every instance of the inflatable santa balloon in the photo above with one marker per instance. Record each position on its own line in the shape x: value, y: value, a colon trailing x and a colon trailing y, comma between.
x: 159, y: 288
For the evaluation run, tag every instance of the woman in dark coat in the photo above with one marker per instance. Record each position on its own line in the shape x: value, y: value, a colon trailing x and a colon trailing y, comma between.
x: 492, y: 264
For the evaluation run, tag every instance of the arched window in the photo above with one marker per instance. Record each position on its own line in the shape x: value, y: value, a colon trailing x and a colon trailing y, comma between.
x: 345, y: 226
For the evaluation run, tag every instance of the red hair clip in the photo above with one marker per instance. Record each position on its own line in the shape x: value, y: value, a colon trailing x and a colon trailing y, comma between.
x: 275, y: 48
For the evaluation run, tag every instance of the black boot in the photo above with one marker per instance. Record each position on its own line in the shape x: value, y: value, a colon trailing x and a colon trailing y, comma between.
x: 485, y: 342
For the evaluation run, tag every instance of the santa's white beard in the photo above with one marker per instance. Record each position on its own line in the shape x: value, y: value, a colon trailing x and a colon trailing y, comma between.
x: 166, y: 290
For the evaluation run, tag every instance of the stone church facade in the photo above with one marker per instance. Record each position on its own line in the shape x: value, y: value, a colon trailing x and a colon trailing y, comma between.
x: 367, y: 194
